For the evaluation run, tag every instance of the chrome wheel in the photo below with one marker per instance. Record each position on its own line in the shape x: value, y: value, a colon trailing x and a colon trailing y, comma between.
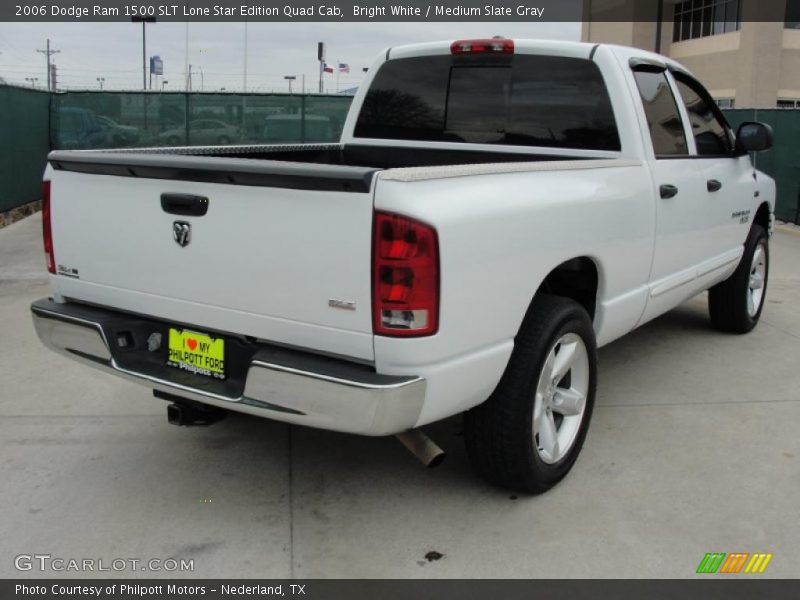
x: 560, y: 400
x: 755, y: 284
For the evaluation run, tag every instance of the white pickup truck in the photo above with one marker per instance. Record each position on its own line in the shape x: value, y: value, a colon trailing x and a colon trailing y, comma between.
x: 495, y: 210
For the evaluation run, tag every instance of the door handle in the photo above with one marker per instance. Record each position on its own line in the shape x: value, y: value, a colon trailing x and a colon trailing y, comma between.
x: 185, y: 205
x: 668, y: 191
x: 713, y: 185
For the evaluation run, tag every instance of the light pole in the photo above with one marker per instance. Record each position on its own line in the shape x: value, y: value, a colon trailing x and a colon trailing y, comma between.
x: 144, y: 21
x: 163, y: 83
x: 32, y: 81
x: 290, y: 79
x: 101, y: 80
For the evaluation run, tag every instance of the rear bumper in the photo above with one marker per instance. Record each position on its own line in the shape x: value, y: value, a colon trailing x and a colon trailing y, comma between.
x: 278, y: 383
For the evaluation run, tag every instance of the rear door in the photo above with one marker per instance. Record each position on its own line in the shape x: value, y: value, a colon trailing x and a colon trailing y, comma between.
x: 681, y: 219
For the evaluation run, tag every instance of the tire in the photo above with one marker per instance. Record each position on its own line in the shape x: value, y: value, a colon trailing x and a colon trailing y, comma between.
x: 735, y: 304
x: 504, y: 444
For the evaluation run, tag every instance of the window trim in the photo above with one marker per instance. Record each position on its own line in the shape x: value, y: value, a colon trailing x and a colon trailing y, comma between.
x: 681, y: 76
x: 653, y: 66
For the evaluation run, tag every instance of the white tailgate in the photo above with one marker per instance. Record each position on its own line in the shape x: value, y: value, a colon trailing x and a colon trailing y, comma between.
x: 262, y: 262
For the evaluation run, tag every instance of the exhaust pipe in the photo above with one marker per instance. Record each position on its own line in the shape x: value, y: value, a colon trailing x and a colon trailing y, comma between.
x: 185, y: 415
x: 423, y: 447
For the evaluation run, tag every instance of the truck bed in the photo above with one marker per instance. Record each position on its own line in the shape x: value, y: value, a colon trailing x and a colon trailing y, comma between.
x: 324, y: 167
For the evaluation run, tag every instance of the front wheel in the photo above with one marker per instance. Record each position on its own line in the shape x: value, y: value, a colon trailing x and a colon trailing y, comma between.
x: 735, y: 304
x: 529, y: 432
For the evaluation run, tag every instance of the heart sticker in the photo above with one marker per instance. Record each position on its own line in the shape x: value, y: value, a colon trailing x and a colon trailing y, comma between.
x: 192, y: 344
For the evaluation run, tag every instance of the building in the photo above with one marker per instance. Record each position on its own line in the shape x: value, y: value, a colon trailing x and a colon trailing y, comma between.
x: 747, y: 53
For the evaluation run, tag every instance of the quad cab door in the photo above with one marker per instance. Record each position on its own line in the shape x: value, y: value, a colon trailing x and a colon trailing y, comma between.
x: 699, y: 184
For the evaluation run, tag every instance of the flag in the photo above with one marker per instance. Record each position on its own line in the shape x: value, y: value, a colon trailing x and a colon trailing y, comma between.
x: 344, y: 68
x: 327, y: 68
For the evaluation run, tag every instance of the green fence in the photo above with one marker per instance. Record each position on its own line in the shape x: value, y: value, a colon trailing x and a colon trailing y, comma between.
x: 83, y: 120
x: 24, y: 142
x: 783, y: 161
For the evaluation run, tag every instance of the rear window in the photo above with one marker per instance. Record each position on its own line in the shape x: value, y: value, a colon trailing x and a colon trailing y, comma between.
x: 547, y: 101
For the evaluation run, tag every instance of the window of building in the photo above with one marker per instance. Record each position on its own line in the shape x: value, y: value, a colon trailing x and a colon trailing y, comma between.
x: 550, y: 101
x: 701, y: 18
x: 708, y: 126
x: 661, y: 110
x: 725, y: 102
x: 788, y: 104
x: 792, y: 20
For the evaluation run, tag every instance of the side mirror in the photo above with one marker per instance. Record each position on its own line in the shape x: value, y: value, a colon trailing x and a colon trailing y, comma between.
x: 754, y: 137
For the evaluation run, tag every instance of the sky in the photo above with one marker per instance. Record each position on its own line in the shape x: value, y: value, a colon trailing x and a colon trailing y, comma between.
x: 113, y: 51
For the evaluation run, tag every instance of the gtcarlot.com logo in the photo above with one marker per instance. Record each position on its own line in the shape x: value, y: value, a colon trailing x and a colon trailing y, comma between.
x: 734, y: 563
x: 47, y: 562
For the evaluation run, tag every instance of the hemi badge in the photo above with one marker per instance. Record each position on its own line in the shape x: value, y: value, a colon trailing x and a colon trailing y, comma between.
x: 343, y: 304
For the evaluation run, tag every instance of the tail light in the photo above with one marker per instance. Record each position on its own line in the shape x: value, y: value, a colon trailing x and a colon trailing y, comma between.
x: 47, y: 231
x: 484, y: 46
x: 405, y: 277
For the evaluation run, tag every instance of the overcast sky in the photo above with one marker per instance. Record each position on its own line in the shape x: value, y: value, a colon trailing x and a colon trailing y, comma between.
x: 114, y: 50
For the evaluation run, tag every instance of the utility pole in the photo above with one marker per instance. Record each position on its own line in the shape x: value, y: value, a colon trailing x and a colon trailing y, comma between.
x: 48, y: 53
x: 144, y: 21
x: 321, y: 59
x: 101, y: 80
x: 245, y: 56
x: 53, y: 78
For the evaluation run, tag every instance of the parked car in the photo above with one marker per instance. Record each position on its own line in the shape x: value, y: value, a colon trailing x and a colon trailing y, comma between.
x: 202, y: 132
x: 298, y: 128
x: 116, y: 134
x: 494, y: 212
x: 77, y: 129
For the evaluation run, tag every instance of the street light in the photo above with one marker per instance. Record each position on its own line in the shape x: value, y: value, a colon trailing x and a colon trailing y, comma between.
x: 163, y: 83
x: 290, y: 79
x: 144, y: 21
x: 101, y: 80
x: 32, y: 81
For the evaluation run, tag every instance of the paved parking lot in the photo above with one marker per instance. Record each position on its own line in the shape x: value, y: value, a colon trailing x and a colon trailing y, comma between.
x: 694, y: 447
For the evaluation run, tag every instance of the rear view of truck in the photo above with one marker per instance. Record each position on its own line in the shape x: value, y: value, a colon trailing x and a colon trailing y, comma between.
x: 375, y: 285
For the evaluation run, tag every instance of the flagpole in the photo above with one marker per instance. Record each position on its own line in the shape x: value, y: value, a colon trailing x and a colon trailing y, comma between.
x: 338, y: 69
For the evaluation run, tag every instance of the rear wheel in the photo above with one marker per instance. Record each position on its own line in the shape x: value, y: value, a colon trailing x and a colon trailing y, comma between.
x: 735, y: 304
x: 529, y: 432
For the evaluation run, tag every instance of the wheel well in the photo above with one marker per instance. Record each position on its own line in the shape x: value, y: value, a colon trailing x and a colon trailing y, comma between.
x: 576, y: 279
x: 762, y: 216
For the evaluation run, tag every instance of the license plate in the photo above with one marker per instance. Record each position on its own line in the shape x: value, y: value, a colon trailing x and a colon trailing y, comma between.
x: 197, y: 353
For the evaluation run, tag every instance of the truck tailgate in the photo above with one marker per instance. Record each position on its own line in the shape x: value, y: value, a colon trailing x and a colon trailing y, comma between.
x: 282, y: 252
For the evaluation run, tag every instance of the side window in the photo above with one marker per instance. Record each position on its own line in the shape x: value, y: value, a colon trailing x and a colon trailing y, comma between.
x: 708, y: 127
x: 663, y: 118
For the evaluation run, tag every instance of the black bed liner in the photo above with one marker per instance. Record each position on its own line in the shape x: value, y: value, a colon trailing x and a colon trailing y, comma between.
x: 321, y: 167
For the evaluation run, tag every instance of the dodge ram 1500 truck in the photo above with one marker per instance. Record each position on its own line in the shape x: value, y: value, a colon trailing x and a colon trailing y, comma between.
x: 495, y: 210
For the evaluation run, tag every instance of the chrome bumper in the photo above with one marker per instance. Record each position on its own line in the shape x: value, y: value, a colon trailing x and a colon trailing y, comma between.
x: 284, y: 385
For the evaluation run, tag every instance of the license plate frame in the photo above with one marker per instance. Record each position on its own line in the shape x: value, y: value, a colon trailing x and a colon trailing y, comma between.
x: 196, y: 352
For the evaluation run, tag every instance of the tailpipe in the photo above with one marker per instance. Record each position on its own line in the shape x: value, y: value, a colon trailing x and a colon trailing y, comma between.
x: 186, y: 415
x: 423, y: 447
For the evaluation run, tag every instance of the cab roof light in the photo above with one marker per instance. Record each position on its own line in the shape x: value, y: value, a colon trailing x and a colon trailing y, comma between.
x: 497, y: 45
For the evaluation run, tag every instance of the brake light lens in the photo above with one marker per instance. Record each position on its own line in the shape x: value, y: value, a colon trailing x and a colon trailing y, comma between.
x: 405, y: 277
x: 483, y: 46
x: 47, y: 231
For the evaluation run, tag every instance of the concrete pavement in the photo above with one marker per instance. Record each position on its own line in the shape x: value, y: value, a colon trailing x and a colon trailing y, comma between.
x: 694, y: 447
